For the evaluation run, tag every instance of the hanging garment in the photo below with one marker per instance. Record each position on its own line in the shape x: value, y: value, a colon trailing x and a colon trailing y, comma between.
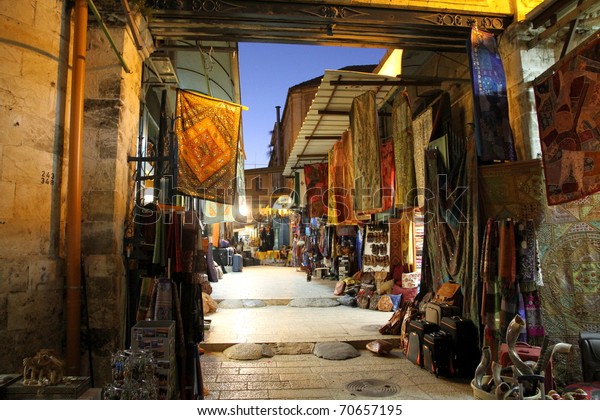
x: 388, y: 174
x: 341, y: 182
x: 492, y: 128
x: 367, y: 168
x: 207, y: 131
x: 145, y: 301
x: 567, y: 103
x: 405, y: 177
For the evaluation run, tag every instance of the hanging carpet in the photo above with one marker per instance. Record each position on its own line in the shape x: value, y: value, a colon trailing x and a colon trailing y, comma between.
x: 365, y: 138
x: 341, y: 182
x: 207, y: 132
x: 316, y: 177
x: 402, y: 127
x: 492, y: 129
x: 388, y: 174
x: 567, y: 103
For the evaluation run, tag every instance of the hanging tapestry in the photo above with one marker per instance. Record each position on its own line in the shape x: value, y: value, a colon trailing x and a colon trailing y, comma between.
x: 492, y: 128
x: 451, y: 225
x: 387, y: 175
x: 317, y: 183
x: 341, y: 182
x: 365, y: 137
x: 514, y: 189
x: 430, y: 122
x: 567, y: 103
x: 207, y: 132
x: 402, y: 127
x: 422, y: 127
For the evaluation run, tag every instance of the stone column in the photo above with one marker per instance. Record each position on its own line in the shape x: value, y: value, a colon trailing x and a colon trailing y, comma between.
x: 111, y: 121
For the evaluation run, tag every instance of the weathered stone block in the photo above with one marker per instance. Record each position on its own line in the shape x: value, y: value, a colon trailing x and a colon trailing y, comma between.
x: 100, y: 205
x: 7, y: 200
x: 104, y: 313
x: 24, y: 164
x: 46, y: 274
x: 107, y: 143
x: 38, y: 311
x: 102, y: 288
x: 19, y: 238
x: 99, y: 238
x: 14, y: 274
x: 3, y: 313
x: 10, y: 62
x: 104, y: 266
x: 98, y: 175
x: 34, y: 202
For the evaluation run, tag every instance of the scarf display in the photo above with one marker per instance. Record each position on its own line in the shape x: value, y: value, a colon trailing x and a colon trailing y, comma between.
x: 341, y: 182
x: 492, y: 128
x: 364, y: 124
x: 207, y: 132
x: 510, y: 275
x: 567, y: 104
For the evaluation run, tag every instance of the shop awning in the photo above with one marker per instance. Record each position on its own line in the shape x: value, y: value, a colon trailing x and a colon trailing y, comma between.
x: 328, y: 116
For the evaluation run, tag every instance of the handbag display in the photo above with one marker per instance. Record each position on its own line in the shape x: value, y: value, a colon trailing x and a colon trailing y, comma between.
x: 449, y: 293
x: 375, y: 298
x: 385, y: 304
x: 340, y: 286
x: 363, y: 298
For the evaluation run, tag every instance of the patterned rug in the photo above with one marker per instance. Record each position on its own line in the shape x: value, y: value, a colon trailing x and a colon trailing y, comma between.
x: 567, y: 104
x: 402, y: 127
x: 365, y: 138
x: 492, y: 129
x: 207, y: 134
x: 316, y: 176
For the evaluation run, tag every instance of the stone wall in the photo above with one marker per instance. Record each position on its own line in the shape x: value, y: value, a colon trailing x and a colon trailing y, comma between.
x: 33, y: 75
x: 112, y: 107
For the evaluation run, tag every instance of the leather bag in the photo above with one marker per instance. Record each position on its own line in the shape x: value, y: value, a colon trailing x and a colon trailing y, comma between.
x: 340, y: 286
x: 449, y: 293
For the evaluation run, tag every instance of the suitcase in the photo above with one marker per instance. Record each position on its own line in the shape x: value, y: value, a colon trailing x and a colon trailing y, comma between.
x: 417, y: 328
x: 238, y: 263
x: 526, y: 352
x: 437, y: 353
x: 434, y: 312
x: 466, y: 353
x: 589, y: 345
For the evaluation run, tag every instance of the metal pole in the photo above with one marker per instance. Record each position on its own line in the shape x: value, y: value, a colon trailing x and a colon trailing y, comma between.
x: 73, y: 226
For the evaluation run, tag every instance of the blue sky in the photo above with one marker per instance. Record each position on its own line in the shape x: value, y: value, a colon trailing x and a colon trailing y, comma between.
x: 267, y: 71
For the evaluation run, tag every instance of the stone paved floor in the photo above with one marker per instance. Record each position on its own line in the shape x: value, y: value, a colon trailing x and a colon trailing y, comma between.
x: 304, y: 376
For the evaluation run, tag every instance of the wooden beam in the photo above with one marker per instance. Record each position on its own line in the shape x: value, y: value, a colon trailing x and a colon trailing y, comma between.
x: 323, y: 137
x: 551, y: 30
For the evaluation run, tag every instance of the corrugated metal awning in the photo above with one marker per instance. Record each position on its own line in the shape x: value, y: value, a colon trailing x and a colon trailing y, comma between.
x: 328, y: 116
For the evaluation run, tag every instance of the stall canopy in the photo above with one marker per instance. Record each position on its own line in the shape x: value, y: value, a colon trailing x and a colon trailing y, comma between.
x: 328, y: 116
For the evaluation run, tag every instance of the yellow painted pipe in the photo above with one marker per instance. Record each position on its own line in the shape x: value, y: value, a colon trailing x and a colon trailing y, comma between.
x: 73, y: 227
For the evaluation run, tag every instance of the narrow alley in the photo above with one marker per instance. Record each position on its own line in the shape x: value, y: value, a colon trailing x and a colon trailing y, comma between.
x: 294, y: 372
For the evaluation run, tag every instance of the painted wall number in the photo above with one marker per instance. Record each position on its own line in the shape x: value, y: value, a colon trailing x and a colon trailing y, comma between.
x: 47, y: 178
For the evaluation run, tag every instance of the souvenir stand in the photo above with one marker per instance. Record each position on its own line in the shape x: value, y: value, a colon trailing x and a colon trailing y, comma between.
x: 170, y: 257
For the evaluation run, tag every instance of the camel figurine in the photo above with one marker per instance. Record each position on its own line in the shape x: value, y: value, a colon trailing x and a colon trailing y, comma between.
x: 45, y: 368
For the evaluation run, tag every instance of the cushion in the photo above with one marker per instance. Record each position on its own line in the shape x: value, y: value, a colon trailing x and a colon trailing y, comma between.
x: 411, y: 279
x: 408, y: 293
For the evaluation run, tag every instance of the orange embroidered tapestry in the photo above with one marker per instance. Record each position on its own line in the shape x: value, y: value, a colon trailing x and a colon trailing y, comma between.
x: 207, y: 132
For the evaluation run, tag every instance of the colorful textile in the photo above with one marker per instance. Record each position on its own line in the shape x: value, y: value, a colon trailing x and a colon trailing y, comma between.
x: 402, y: 131
x: 367, y: 168
x: 341, y: 182
x: 207, y: 132
x: 492, y: 129
x: 422, y: 128
x: 567, y: 103
x: 388, y: 175
x: 316, y: 176
x: 451, y: 247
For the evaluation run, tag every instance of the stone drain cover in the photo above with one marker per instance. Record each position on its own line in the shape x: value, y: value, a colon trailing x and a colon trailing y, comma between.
x: 372, y: 388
